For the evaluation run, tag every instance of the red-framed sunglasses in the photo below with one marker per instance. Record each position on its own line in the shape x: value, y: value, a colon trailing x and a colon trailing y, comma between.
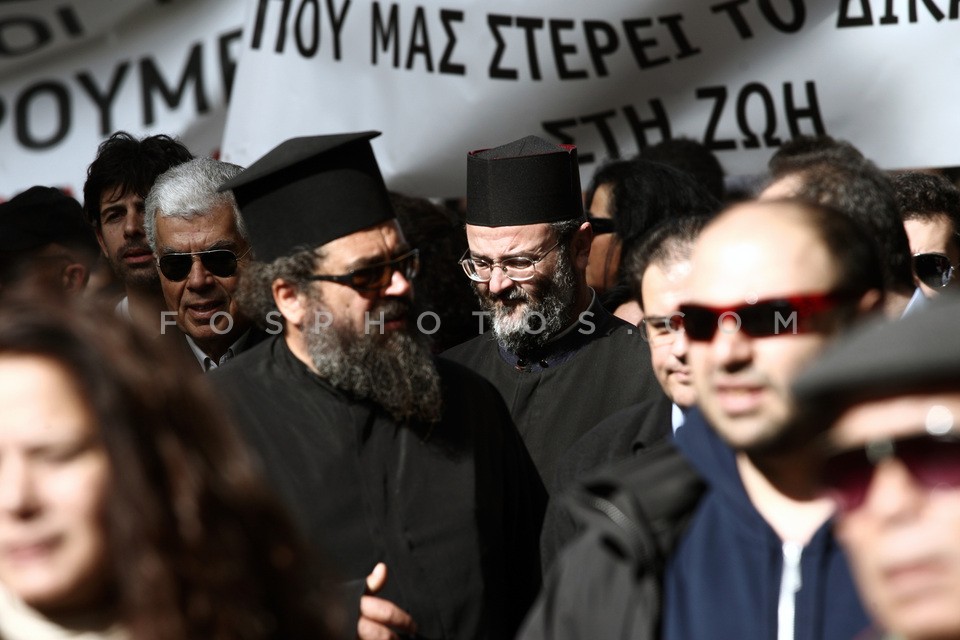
x: 763, y: 318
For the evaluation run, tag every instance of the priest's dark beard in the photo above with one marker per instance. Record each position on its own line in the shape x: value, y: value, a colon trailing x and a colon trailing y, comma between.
x: 394, y: 370
x: 554, y: 302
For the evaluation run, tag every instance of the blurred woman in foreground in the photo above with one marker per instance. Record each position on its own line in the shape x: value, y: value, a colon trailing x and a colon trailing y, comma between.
x: 128, y: 508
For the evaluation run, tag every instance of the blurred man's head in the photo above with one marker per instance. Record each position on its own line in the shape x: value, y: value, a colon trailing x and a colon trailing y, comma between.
x: 45, y: 242
x: 889, y: 398
x: 770, y: 284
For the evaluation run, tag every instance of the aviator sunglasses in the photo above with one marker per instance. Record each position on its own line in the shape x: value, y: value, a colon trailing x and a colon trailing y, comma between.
x: 933, y: 269
x: 764, y: 318
x: 932, y: 460
x: 220, y: 262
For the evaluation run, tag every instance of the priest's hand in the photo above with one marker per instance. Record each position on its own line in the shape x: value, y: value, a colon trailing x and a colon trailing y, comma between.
x: 381, y: 619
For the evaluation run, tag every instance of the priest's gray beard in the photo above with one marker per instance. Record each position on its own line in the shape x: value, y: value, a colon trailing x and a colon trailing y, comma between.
x: 516, y: 324
x: 394, y: 370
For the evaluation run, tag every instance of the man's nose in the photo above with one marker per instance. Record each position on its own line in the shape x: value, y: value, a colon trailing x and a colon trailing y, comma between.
x: 400, y: 286
x: 133, y: 224
x: 198, y: 277
x: 18, y: 496
x: 499, y: 280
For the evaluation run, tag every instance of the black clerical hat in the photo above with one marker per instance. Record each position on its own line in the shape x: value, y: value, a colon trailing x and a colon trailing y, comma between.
x: 311, y: 190
x: 525, y: 181
x: 886, y: 358
x: 40, y: 216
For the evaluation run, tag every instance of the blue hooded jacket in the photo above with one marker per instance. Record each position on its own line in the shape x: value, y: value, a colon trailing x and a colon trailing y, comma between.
x: 723, y: 581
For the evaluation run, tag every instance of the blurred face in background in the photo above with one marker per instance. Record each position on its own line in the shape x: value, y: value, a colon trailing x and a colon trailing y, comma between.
x: 899, y: 517
x: 605, y: 248
x: 54, y: 474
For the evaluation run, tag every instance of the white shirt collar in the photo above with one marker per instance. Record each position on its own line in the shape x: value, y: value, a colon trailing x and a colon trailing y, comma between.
x: 677, y: 416
x: 207, y: 363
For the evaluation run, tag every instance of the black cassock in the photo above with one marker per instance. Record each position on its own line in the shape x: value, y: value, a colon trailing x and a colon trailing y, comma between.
x: 454, y: 510
x: 599, y: 366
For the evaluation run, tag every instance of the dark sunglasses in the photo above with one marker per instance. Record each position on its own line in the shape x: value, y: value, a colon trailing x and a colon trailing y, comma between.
x: 933, y: 461
x: 933, y: 269
x: 602, y: 225
x: 377, y: 276
x: 764, y: 318
x: 220, y: 262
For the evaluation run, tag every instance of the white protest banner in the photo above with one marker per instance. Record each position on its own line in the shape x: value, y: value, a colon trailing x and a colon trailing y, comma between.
x: 74, y: 71
x: 441, y: 77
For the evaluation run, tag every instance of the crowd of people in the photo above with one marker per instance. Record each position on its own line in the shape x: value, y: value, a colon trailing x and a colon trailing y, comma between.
x: 282, y: 402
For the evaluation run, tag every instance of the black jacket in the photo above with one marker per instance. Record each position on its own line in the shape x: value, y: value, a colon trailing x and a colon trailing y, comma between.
x: 608, y: 583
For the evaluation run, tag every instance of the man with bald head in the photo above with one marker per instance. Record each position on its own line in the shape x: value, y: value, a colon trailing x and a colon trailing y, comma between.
x: 770, y: 284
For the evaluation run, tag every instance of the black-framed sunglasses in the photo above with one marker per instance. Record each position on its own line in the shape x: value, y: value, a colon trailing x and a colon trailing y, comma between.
x: 763, y: 318
x: 376, y: 276
x: 220, y: 262
x: 602, y: 225
x: 933, y: 269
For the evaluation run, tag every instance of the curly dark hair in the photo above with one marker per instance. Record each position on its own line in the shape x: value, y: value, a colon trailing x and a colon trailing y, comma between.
x: 199, y: 547
x: 127, y: 164
x: 925, y: 195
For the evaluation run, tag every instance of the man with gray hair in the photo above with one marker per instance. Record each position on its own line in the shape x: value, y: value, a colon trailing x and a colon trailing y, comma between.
x: 201, y: 247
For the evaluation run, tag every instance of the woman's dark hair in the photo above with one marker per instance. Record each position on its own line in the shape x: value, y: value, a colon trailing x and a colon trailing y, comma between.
x: 199, y: 547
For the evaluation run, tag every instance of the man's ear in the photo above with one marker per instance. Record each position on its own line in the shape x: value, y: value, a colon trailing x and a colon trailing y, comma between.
x: 74, y: 277
x: 290, y: 301
x: 582, y: 239
x: 871, y: 301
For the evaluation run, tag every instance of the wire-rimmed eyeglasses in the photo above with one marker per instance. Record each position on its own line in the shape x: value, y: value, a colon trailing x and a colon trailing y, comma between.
x: 517, y: 268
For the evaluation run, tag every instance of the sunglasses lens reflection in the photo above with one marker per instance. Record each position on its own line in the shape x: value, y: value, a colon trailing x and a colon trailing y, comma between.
x: 932, y: 269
